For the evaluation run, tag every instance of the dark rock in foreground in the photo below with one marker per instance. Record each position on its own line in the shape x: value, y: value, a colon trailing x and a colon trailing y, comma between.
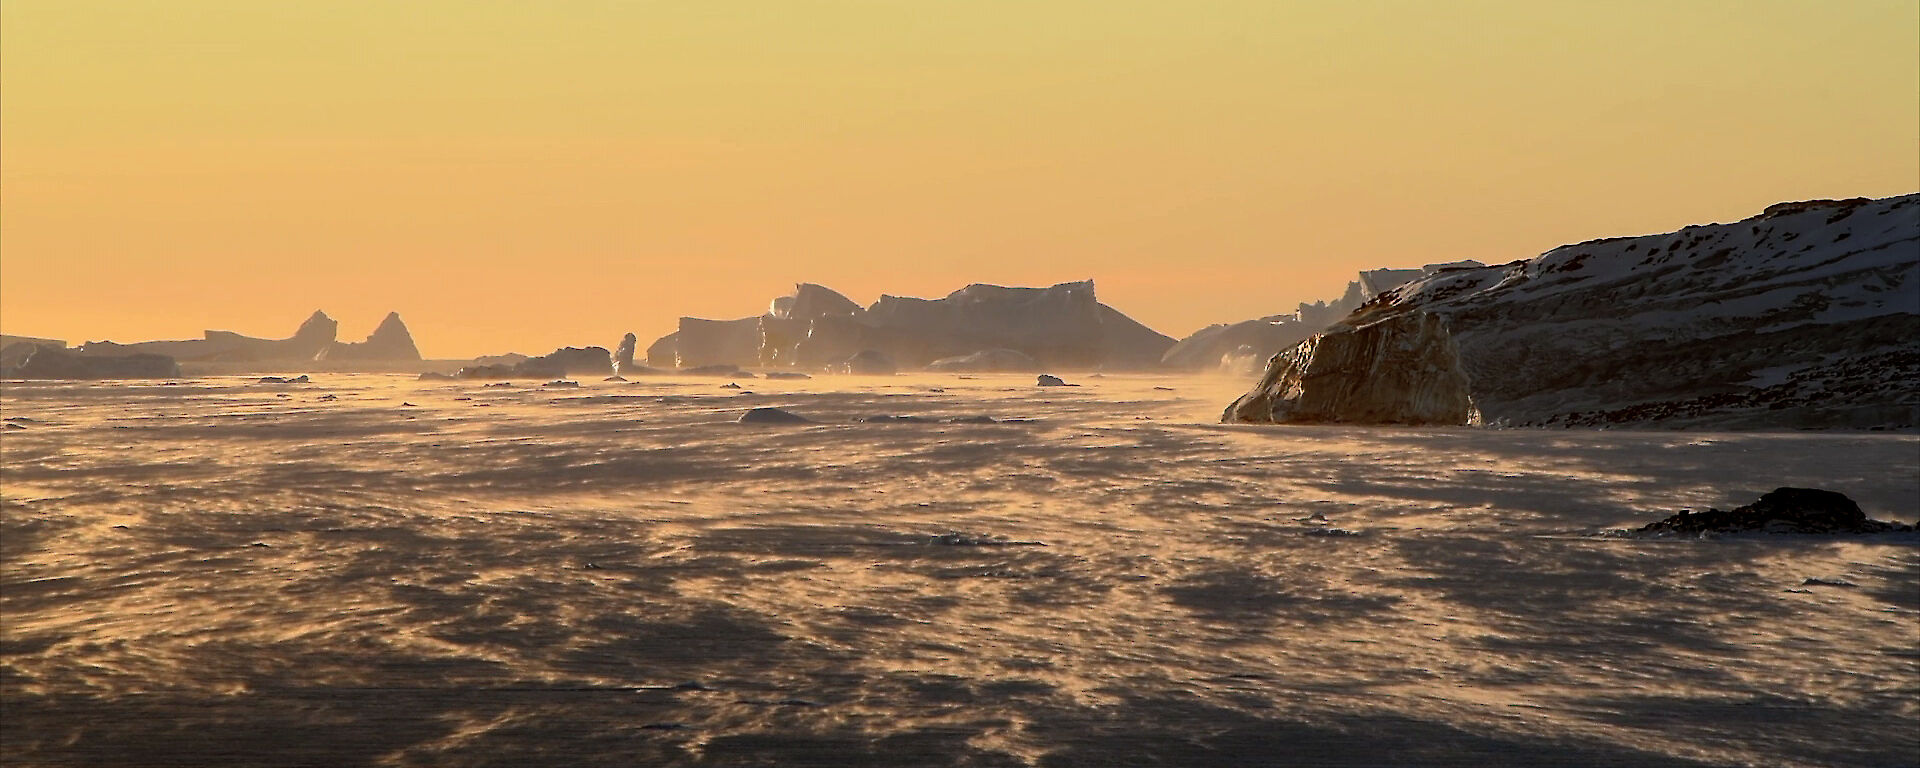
x: 1785, y: 510
x: 1045, y: 380
x: 773, y: 416
x: 1401, y: 370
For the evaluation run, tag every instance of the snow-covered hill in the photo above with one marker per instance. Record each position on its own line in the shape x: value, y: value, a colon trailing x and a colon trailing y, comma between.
x: 1806, y: 316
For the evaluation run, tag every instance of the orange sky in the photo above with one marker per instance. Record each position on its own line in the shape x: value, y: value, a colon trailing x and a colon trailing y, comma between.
x: 523, y: 175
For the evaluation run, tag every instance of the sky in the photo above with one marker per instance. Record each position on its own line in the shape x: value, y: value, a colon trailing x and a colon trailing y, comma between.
x: 518, y: 176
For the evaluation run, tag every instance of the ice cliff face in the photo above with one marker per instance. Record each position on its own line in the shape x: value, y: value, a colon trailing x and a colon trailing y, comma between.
x: 1249, y: 343
x: 1063, y: 326
x: 1402, y: 369
x: 1807, y: 315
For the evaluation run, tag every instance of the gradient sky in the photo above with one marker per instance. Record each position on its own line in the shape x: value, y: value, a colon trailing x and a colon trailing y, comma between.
x: 515, y: 176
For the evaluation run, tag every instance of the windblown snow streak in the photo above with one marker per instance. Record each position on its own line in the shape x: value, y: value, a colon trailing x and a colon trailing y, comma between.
x: 934, y: 571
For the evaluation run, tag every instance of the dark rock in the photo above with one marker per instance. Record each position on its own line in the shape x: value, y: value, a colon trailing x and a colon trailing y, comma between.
x: 730, y: 385
x: 300, y: 379
x: 560, y: 363
x: 1051, y: 381
x: 509, y: 359
x: 562, y: 384
x: 569, y: 361
x: 1785, y: 510
x: 772, y: 416
x: 1404, y: 369
x: 486, y: 372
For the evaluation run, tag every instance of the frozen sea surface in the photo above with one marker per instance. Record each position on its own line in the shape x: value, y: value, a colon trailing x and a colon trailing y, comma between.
x: 371, y: 570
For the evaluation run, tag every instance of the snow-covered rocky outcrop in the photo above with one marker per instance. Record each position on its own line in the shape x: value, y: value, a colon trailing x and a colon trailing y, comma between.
x: 815, y: 327
x: 1805, y: 316
x: 1402, y: 369
x: 1245, y: 345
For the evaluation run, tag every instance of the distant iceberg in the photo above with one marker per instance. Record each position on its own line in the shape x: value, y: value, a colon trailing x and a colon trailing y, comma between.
x: 1063, y: 326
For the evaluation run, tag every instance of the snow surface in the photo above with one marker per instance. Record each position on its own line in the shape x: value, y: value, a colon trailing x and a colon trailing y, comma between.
x: 223, y: 573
